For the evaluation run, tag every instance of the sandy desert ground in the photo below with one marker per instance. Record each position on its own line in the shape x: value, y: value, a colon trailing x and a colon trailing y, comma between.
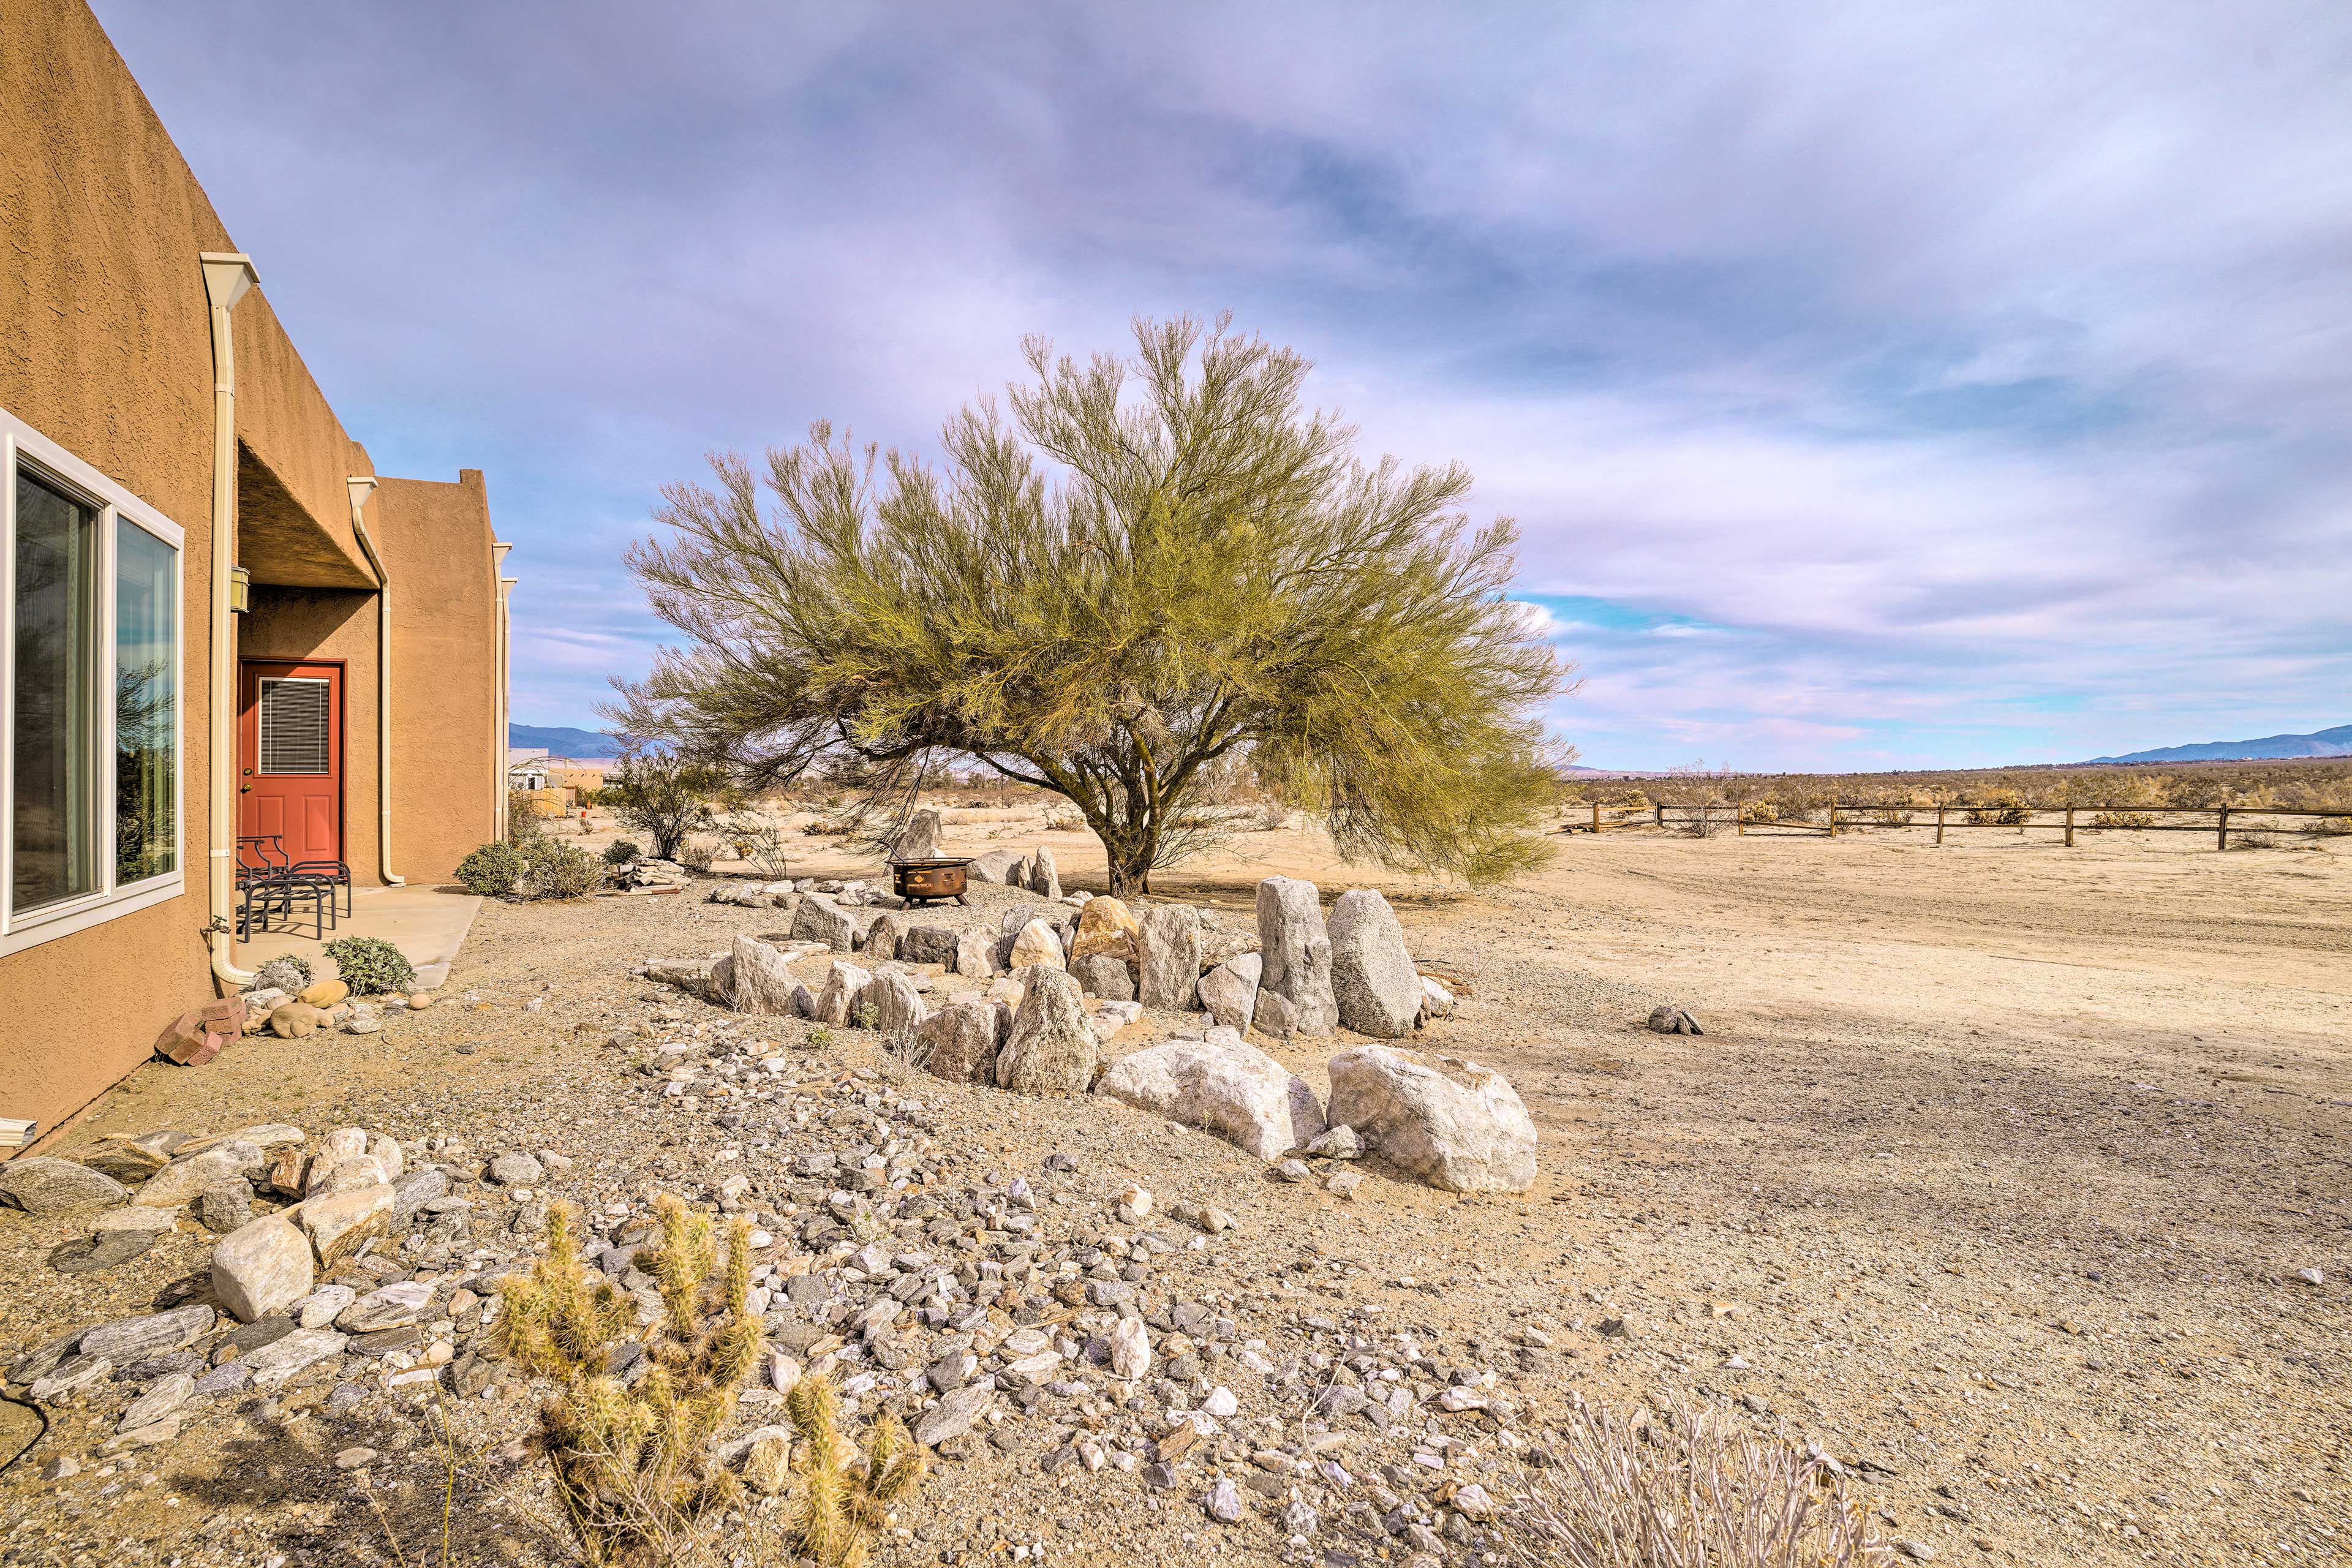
x: 1993, y: 1174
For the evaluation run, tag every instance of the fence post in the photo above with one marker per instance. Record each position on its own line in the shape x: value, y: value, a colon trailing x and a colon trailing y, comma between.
x: 1939, y: 824
x: 2221, y: 838
x: 1832, y: 817
x: 1661, y: 808
x: 2070, y: 827
x: 1596, y: 818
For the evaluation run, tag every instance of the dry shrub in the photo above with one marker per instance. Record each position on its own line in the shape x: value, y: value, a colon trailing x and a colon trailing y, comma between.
x: 2003, y: 808
x: 2123, y: 819
x: 1685, y: 1488
x: 1892, y: 816
x: 1628, y: 800
x: 696, y: 854
x: 1759, y: 811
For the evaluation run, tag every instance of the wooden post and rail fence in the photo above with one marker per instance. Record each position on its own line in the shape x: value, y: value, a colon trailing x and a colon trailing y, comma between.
x: 1956, y: 814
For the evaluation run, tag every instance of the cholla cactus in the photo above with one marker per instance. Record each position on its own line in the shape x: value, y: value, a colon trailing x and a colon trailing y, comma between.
x: 633, y: 1464
x: 841, y: 1501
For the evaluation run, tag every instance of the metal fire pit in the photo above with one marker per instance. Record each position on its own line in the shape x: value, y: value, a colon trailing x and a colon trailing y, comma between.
x: 927, y: 881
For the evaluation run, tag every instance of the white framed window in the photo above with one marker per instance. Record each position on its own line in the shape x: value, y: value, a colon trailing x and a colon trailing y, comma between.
x: 91, y: 646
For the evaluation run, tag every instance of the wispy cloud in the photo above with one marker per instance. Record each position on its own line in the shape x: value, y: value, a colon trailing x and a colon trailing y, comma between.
x: 1871, y: 384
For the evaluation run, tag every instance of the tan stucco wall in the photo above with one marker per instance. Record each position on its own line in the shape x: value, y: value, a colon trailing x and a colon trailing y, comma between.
x: 446, y: 754
x: 105, y: 348
x: 329, y: 623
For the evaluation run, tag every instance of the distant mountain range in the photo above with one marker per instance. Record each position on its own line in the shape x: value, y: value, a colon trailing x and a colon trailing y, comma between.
x: 2335, y: 743
x: 561, y: 742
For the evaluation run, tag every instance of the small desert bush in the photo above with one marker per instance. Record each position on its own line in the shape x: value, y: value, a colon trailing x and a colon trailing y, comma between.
x: 370, y: 965
x: 2125, y: 819
x: 1759, y: 811
x: 621, y: 852
x: 1628, y: 800
x: 1892, y: 816
x: 760, y: 843
x: 522, y: 815
x: 554, y: 869
x: 1685, y: 1488
x: 696, y: 854
x: 2003, y: 808
x: 492, y: 870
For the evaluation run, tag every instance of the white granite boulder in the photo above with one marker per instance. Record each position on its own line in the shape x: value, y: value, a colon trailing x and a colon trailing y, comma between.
x: 1168, y: 968
x: 1373, y: 982
x: 1296, y: 948
x: 1230, y: 991
x: 1222, y: 1086
x: 1051, y: 1051
x: 759, y: 980
x: 1459, y: 1127
x: 262, y: 1267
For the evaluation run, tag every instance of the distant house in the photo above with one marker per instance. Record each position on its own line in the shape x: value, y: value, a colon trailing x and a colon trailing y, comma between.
x: 218, y: 622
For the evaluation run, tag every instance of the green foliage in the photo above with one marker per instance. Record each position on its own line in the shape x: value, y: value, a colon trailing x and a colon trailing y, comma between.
x: 842, y: 1502
x: 621, y: 852
x: 666, y: 798
x: 492, y: 870
x: 1160, y: 562
x: 370, y: 965
x: 554, y: 869
x: 696, y: 853
x: 634, y: 1465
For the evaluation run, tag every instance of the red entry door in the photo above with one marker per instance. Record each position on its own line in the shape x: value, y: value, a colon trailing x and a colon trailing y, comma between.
x: 290, y: 745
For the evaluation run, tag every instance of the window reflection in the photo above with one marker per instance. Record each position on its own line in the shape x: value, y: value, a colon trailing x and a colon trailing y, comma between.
x: 56, y: 714
x: 146, y: 617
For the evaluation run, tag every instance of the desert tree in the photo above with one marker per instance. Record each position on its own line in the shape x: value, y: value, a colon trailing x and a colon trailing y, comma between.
x: 1155, y: 562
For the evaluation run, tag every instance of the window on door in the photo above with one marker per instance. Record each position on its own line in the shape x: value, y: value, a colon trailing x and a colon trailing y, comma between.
x: 296, y: 720
x: 89, y: 682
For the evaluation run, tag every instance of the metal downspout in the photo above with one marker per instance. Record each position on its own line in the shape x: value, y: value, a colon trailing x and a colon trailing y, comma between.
x: 228, y: 276
x: 360, y: 486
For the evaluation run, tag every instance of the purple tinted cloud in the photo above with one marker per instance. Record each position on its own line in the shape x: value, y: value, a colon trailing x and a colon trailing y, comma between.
x: 1873, y: 384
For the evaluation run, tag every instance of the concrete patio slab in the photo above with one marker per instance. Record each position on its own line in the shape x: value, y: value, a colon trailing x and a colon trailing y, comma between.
x: 426, y: 924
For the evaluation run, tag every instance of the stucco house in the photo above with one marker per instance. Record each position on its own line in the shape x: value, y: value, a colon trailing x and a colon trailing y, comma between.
x: 217, y: 618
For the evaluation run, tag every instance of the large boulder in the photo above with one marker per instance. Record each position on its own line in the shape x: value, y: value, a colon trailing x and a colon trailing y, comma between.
x: 1229, y: 992
x: 183, y: 1180
x: 994, y: 866
x: 836, y: 1004
x: 1051, y: 1050
x: 958, y: 1042
x: 1044, y: 877
x: 1222, y: 1086
x: 40, y: 1184
x: 1372, y: 978
x: 975, y: 954
x: 1463, y: 1130
x: 884, y: 937
x: 262, y: 1267
x: 928, y: 944
x: 1105, y: 976
x: 919, y: 840
x: 1035, y: 944
x: 758, y: 980
x: 1297, y: 952
x: 1168, y: 957
x: 897, y: 1006
x: 819, y: 919
x: 339, y: 1223
x: 1105, y: 926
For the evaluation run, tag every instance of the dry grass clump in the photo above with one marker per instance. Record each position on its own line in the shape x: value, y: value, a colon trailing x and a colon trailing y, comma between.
x: 633, y: 1464
x: 1892, y: 816
x: 1683, y: 1489
x: 2123, y: 819
x: 2004, y: 807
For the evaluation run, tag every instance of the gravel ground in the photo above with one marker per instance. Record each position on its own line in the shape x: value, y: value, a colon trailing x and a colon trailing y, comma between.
x: 1992, y: 1176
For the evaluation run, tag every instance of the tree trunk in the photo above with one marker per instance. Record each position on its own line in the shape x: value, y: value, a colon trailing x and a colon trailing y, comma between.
x: 1130, y: 852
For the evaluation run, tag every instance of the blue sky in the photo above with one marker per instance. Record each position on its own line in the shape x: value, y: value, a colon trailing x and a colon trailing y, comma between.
x: 1876, y: 386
